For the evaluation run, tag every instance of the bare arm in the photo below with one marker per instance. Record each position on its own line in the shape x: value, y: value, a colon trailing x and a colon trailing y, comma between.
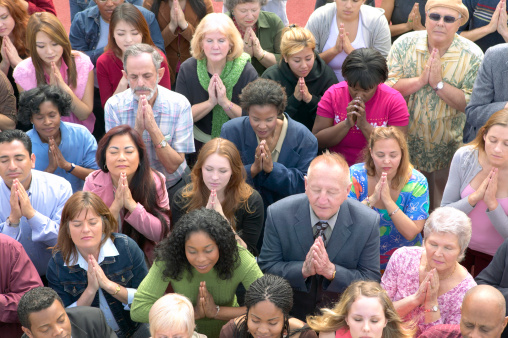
x: 453, y: 97
x: 327, y: 134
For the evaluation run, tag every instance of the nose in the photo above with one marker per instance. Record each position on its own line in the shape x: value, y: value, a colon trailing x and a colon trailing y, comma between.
x: 497, y: 148
x: 12, y: 165
x: 59, y: 330
x: 366, y: 327
x: 47, y: 120
x: 121, y: 156
x: 86, y: 227
x: 214, y: 175
x: 262, y: 329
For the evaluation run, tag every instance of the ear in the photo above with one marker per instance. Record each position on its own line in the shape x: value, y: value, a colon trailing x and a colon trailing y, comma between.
x: 286, y: 59
x: 32, y: 159
x: 160, y: 73
x: 124, y: 73
x: 27, y: 332
x: 306, y: 183
x: 348, y: 189
x: 505, y: 321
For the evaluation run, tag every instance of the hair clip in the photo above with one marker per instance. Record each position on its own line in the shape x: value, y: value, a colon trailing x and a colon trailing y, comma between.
x: 292, y: 26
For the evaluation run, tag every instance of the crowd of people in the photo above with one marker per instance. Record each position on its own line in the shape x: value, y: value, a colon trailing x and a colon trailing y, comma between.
x: 168, y: 171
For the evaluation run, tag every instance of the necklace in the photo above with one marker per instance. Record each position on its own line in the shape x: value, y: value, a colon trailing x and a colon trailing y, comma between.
x: 449, y: 275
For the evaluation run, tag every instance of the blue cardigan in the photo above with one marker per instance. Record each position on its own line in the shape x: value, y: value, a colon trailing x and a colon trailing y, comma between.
x: 287, y: 177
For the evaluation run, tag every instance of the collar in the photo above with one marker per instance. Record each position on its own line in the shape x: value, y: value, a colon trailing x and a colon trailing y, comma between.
x: 314, y: 219
x: 263, y: 20
x: 94, y: 12
x: 108, y: 249
x: 282, y: 135
x: 422, y: 44
x: 64, y: 132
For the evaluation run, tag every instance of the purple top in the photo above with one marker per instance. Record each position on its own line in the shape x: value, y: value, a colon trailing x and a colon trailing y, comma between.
x: 24, y: 75
x: 401, y: 279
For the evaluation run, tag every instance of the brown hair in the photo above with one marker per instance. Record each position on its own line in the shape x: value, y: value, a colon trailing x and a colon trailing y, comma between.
x: 130, y: 14
x: 499, y: 118
x: 20, y: 17
x: 405, y: 167
x: 236, y: 192
x: 82, y: 200
x: 295, y: 39
x: 49, y: 24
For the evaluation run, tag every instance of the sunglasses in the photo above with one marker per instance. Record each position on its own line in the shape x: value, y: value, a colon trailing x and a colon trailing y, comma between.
x: 446, y: 18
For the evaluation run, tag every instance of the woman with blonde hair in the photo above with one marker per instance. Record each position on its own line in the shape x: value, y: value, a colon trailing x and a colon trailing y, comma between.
x: 388, y: 183
x: 214, y: 76
x: 478, y: 185
x: 218, y: 182
x: 364, y: 309
x: 54, y: 62
x: 303, y: 74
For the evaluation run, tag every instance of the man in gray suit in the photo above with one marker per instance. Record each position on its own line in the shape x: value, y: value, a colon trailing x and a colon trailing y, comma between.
x: 321, y: 241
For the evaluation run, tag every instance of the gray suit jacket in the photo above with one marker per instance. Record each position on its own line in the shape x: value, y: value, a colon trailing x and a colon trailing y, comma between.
x: 490, y: 91
x: 353, y: 247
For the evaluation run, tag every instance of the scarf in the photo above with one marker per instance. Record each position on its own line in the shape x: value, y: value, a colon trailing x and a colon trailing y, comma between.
x: 229, y: 76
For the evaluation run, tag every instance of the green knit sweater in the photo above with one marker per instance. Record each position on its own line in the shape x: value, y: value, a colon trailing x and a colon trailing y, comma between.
x: 223, y: 291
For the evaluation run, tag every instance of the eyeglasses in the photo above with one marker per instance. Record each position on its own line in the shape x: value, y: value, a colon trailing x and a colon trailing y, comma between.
x: 446, y: 18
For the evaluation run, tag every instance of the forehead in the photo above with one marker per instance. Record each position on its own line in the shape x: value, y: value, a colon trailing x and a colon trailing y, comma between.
x: 140, y: 64
x: 13, y: 148
x: 217, y: 161
x: 444, y: 11
x: 46, y: 316
x: 248, y: 5
x: 42, y: 37
x: 124, y: 25
x: 323, y: 173
x: 4, y: 10
x: 46, y: 107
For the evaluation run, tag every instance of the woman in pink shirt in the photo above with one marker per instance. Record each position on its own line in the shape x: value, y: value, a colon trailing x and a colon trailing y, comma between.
x: 126, y: 27
x: 349, y: 110
x: 53, y: 62
x: 135, y: 193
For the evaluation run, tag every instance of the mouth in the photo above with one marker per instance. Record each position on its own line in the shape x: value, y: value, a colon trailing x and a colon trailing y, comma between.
x: 86, y: 238
x: 121, y: 166
x: 13, y: 175
x: 214, y: 184
x: 202, y: 267
x: 387, y: 168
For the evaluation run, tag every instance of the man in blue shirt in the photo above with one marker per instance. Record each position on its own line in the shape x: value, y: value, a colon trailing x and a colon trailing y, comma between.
x: 31, y: 201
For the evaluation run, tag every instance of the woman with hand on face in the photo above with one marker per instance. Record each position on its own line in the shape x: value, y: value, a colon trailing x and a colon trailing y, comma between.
x: 389, y: 184
x: 202, y: 261
x: 218, y: 183
x: 214, y: 76
x: 350, y: 110
x: 302, y: 73
x: 478, y: 185
x: 260, y: 31
x: 127, y: 27
x: 61, y: 148
x: 405, y: 16
x: 346, y: 25
x: 92, y: 266
x: 427, y: 284
x: 178, y: 20
x: 364, y: 310
x: 53, y: 62
x: 276, y: 150
x: 135, y: 193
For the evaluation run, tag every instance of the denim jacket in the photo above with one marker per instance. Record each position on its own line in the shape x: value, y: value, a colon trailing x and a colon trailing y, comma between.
x: 127, y: 269
x: 85, y: 31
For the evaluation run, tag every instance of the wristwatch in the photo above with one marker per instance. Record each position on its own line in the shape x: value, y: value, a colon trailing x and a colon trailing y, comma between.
x: 72, y: 168
x: 163, y: 144
x: 432, y: 309
x: 9, y: 224
x: 439, y: 86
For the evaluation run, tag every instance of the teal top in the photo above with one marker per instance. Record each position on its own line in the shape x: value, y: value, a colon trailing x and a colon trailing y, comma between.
x: 223, y: 291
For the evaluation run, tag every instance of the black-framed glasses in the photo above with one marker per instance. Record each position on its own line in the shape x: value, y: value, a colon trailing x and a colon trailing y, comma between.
x: 446, y: 18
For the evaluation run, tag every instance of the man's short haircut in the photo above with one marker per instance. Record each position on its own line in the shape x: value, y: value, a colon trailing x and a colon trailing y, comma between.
x: 331, y: 158
x: 172, y: 311
x: 139, y: 49
x: 8, y: 136
x: 36, y: 300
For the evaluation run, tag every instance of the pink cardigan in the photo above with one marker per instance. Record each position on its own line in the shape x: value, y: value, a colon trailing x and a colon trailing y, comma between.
x: 100, y: 183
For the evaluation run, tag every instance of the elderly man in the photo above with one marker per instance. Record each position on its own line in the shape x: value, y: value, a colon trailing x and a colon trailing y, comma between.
x: 31, y: 201
x: 161, y: 116
x: 435, y: 70
x: 321, y: 241
x: 8, y: 114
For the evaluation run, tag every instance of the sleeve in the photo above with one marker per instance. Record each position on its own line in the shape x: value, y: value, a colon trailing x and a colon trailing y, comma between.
x: 181, y: 86
x: 279, y: 26
x: 313, y: 25
x: 151, y: 288
x: 177, y: 206
x: 357, y: 188
x: 470, y: 9
x: 155, y: 31
x: 53, y: 276
x: 107, y: 331
x: 35, y: 6
x: 90, y: 150
x: 251, y: 223
x: 395, y: 62
x: 389, y: 279
x: 499, y: 220
x: 494, y: 274
x: 469, y: 79
x: 381, y: 38
x: 250, y: 268
x: 417, y: 207
x: 77, y: 38
x: 111, y: 118
x: 7, y: 99
x: 398, y: 113
x: 325, y: 106
x: 183, y: 140
x: 228, y: 330
x: 21, y: 277
x: 24, y: 74
x: 482, y: 104
x: 139, y: 269
x: 451, y: 194
x: 166, y: 78
x: 106, y: 88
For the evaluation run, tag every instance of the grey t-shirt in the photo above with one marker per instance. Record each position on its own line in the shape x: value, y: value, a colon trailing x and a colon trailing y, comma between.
x: 401, y: 11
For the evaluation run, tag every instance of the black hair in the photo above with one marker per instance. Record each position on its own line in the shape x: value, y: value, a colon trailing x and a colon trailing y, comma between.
x: 263, y: 92
x: 198, y: 6
x: 36, y: 300
x: 8, y: 136
x: 30, y: 101
x: 365, y: 67
x: 171, y: 250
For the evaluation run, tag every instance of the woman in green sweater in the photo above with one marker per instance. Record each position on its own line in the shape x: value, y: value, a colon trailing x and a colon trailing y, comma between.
x: 203, y: 262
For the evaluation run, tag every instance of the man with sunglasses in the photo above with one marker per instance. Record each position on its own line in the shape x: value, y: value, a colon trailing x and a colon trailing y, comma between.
x: 435, y: 70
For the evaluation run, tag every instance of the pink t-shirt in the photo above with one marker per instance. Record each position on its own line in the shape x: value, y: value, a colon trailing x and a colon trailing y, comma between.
x: 485, y: 237
x: 24, y: 75
x: 386, y: 107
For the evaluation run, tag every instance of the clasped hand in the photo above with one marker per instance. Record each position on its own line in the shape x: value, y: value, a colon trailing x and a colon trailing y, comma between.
x: 97, y: 279
x: 486, y: 191
x: 317, y: 261
x: 356, y: 113
x: 427, y: 292
x: 301, y: 91
x: 123, y: 197
x: 414, y: 20
x: 498, y: 22
x: 144, y: 117
x: 381, y: 192
x: 431, y: 74
x: 251, y: 44
x: 20, y: 203
x: 177, y: 17
x: 217, y: 92
x: 343, y: 44
x: 262, y: 159
x: 55, y: 157
x: 205, y: 307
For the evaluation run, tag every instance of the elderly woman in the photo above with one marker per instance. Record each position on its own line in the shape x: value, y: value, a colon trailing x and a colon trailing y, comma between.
x: 61, y: 148
x: 173, y: 316
x: 346, y: 25
x: 92, y: 266
x: 478, y: 185
x: 302, y: 73
x: 214, y: 76
x: 350, y: 110
x: 259, y: 30
x: 276, y: 150
x: 427, y: 284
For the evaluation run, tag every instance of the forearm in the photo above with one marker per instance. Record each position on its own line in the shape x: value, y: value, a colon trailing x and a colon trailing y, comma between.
x: 328, y: 55
x: 232, y: 110
x: 408, y: 86
x: 477, y: 33
x: 228, y: 312
x: 405, y: 305
x: 200, y: 110
x: 86, y: 298
x: 169, y: 158
x: 121, y: 295
x: 145, y: 223
x: 453, y: 97
x: 268, y: 60
x: 80, y: 108
x: 366, y: 128
x: 331, y: 136
x: 396, y: 30
x: 81, y: 172
x: 407, y: 227
x: 6, y: 122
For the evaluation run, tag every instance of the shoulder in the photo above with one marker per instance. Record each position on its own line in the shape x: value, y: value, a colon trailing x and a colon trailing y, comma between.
x: 325, y: 12
x: 389, y: 91
x: 371, y: 13
x: 188, y: 65
x: 172, y: 97
x: 407, y: 253
x: 9, y: 245
x: 81, y: 58
x: 467, y: 153
x: 358, y: 168
x: 122, y: 241
x: 469, y: 47
x: 146, y: 13
x: 78, y: 130
x: 238, y: 122
x: 269, y: 18
x: 410, y: 39
x: 97, y: 177
x: 288, y: 203
x: 50, y: 180
x: 24, y: 68
x: 418, y: 176
x: 299, y: 129
x: 85, y: 314
x: 497, y: 52
x: 272, y: 72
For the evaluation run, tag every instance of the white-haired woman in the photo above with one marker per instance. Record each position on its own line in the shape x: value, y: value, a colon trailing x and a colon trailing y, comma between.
x: 427, y: 284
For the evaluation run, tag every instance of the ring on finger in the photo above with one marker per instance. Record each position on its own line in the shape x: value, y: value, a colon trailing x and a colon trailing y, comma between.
x: 256, y: 157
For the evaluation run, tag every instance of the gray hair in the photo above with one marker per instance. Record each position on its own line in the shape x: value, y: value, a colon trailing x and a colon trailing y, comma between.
x: 139, y: 49
x: 231, y: 4
x: 452, y: 221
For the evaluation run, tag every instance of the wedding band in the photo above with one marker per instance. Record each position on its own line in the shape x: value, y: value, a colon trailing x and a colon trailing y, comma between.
x: 266, y: 156
x: 256, y: 157
x: 409, y: 20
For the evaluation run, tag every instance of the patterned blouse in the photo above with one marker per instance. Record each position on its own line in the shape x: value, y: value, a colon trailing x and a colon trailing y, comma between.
x: 401, y: 279
x: 413, y: 201
x: 435, y: 128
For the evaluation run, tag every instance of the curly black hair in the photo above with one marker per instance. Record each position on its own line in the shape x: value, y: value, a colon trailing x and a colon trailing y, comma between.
x: 30, y: 101
x: 171, y: 250
x: 263, y: 92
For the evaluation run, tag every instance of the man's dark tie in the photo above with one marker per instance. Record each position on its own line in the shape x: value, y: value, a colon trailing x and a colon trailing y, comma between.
x: 321, y: 227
